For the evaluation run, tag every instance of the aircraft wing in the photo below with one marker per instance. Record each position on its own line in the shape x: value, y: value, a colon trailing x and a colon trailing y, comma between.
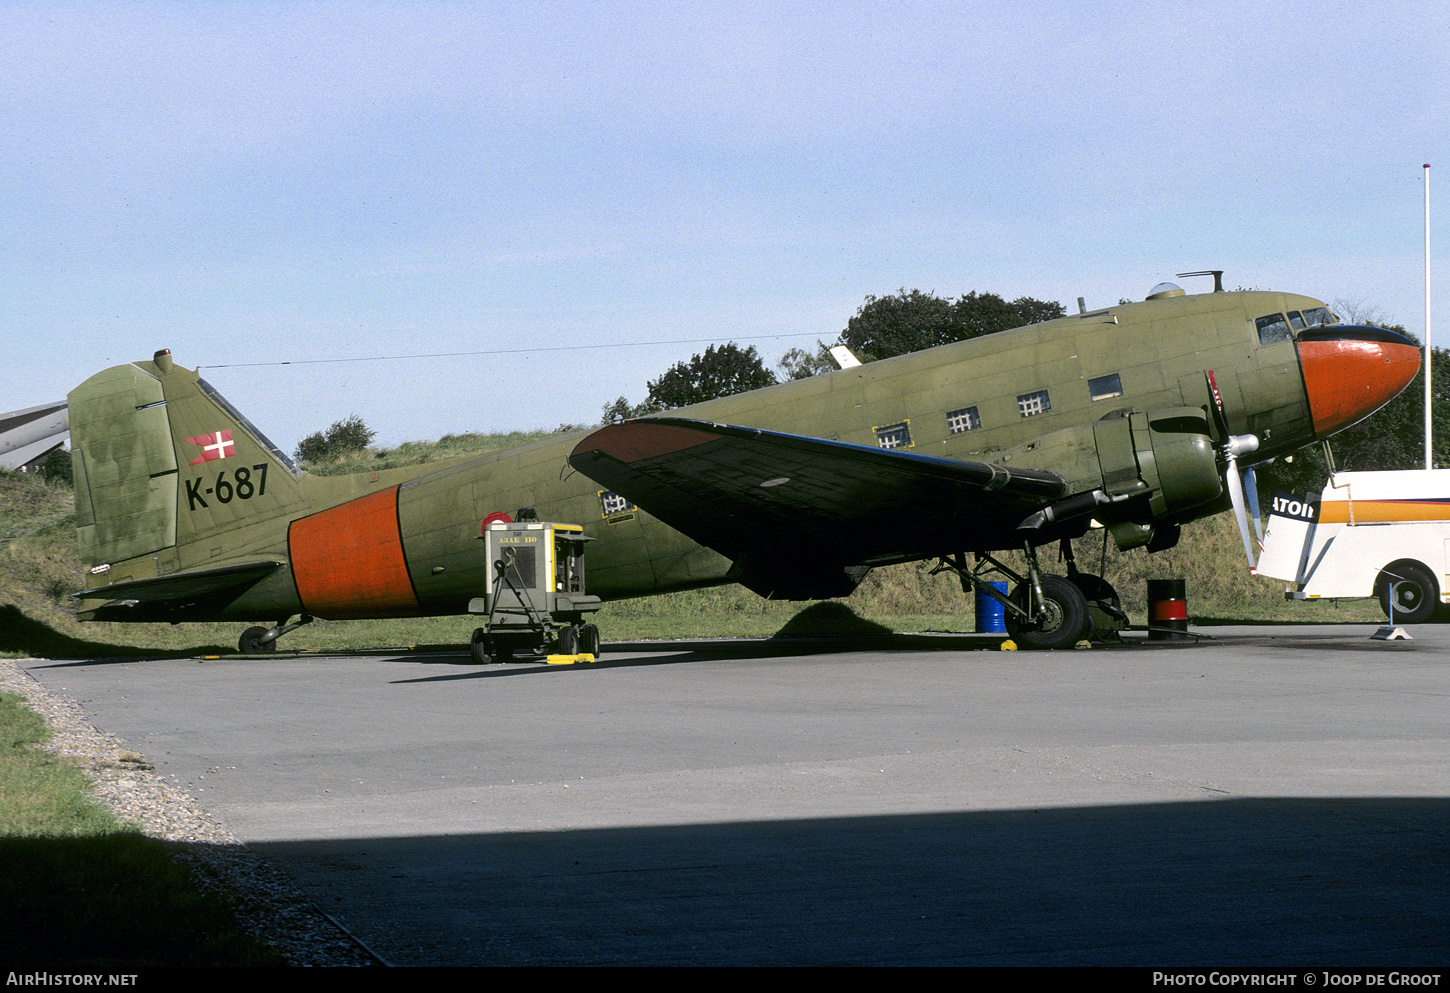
x: 782, y: 498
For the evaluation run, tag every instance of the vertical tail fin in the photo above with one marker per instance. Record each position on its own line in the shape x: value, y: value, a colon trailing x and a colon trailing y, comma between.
x: 163, y: 461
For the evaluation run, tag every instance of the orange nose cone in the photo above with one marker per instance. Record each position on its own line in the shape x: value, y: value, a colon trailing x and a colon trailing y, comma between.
x: 1350, y: 372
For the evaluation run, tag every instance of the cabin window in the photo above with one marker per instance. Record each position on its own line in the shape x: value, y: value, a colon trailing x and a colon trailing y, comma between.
x: 1105, y: 386
x: 965, y: 419
x: 894, y: 435
x: 1032, y: 404
x: 1273, y: 329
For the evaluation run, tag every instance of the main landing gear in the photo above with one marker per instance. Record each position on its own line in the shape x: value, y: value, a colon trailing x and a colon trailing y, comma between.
x: 1045, y: 611
x: 260, y: 640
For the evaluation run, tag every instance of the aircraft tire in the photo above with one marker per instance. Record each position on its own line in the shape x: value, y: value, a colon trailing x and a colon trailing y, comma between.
x: 1104, y: 606
x: 1067, y: 616
x: 589, y: 640
x: 251, y: 643
x: 1416, y: 595
x: 568, y: 640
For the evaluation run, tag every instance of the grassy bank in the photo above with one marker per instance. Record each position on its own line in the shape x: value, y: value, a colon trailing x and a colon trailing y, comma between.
x: 84, y: 891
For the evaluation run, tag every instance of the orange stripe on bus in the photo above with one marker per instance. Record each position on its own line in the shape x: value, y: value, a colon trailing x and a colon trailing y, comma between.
x: 348, y: 561
x: 1381, y: 511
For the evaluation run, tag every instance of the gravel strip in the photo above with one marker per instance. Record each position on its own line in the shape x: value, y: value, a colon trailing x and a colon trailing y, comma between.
x: 269, y: 905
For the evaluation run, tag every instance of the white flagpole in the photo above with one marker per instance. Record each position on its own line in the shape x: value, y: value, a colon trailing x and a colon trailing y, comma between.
x: 1429, y: 458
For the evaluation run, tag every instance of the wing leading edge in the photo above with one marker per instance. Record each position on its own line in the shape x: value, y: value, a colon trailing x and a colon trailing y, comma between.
x: 793, y: 512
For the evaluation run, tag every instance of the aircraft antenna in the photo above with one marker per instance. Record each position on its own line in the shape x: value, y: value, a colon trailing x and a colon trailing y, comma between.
x: 1217, y: 275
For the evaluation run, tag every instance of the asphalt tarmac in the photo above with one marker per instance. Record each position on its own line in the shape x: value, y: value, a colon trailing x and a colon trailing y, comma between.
x: 1273, y: 797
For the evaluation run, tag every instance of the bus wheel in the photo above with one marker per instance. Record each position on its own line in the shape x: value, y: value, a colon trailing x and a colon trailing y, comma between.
x: 1415, y: 595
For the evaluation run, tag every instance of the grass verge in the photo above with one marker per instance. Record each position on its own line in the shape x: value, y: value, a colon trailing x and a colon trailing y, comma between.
x: 83, y: 890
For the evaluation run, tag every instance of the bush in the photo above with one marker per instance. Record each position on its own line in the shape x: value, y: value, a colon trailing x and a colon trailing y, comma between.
x: 347, y: 435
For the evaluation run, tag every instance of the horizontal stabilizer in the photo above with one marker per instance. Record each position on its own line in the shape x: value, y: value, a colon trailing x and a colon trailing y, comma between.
x: 182, y: 585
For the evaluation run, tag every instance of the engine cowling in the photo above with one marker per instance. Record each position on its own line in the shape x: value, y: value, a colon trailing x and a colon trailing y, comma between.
x: 1132, y: 471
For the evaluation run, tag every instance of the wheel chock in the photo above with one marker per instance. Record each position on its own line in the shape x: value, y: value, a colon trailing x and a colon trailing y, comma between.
x: 568, y: 659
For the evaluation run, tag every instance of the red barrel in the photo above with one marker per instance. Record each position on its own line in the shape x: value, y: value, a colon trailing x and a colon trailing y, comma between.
x: 1167, y: 609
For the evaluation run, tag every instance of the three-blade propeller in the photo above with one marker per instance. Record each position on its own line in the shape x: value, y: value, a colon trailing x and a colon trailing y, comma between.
x: 1231, y: 450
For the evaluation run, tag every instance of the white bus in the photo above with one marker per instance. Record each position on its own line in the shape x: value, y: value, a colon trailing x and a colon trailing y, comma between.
x: 1369, y: 534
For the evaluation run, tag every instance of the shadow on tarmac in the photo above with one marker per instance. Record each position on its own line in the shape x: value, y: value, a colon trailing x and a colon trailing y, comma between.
x: 1255, y: 882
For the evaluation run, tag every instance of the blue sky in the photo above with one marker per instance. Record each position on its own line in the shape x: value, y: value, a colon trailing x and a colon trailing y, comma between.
x: 309, y: 182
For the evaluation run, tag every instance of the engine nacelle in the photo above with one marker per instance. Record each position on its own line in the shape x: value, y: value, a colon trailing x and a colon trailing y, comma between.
x: 1131, y: 471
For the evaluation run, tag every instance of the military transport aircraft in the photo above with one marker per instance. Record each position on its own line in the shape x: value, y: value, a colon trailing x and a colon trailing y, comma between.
x: 1134, y: 418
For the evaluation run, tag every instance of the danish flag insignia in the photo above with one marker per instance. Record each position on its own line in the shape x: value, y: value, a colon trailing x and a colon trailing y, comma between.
x: 213, y: 447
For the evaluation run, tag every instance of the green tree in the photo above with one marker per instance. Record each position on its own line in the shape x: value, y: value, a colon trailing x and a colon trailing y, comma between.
x: 912, y: 320
x: 722, y: 371
x: 347, y: 435
x: 797, y: 363
x: 622, y: 410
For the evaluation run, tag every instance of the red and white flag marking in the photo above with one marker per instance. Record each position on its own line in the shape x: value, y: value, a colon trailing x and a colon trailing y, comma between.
x: 213, y: 447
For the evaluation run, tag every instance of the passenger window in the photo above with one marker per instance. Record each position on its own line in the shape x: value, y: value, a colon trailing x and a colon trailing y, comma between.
x: 1105, y: 386
x: 1032, y: 404
x: 965, y: 419
x: 894, y: 435
x: 1273, y: 329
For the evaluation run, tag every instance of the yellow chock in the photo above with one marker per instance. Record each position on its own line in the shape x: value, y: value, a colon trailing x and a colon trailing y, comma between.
x: 1009, y: 645
x: 569, y: 659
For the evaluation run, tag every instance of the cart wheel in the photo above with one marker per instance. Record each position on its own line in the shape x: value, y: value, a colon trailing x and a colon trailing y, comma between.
x: 479, y: 648
x: 589, y: 640
x: 569, y: 640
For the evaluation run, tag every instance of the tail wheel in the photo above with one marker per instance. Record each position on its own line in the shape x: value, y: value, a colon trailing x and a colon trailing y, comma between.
x: 1066, y: 619
x: 251, y: 642
x: 1409, y: 588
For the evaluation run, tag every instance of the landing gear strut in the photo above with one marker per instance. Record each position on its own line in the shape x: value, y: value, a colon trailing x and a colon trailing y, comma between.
x: 1043, y: 611
x: 260, y: 640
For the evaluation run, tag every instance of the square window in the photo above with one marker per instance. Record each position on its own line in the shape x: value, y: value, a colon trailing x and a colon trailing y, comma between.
x: 1105, y: 386
x: 965, y: 419
x: 894, y: 435
x: 1032, y: 404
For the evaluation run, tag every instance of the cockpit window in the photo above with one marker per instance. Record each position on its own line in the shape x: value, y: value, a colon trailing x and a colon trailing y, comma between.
x: 1296, y: 320
x: 1273, y: 329
x: 1319, y: 316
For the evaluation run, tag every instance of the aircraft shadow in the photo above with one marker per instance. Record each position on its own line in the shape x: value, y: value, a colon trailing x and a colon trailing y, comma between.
x: 652, y: 653
x: 1255, y: 882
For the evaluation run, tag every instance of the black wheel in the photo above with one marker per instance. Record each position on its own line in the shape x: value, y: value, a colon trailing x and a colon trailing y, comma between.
x: 480, y: 647
x: 569, y: 640
x: 589, y: 640
x: 251, y: 643
x: 1066, y: 621
x: 1415, y: 594
x: 1105, y: 611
